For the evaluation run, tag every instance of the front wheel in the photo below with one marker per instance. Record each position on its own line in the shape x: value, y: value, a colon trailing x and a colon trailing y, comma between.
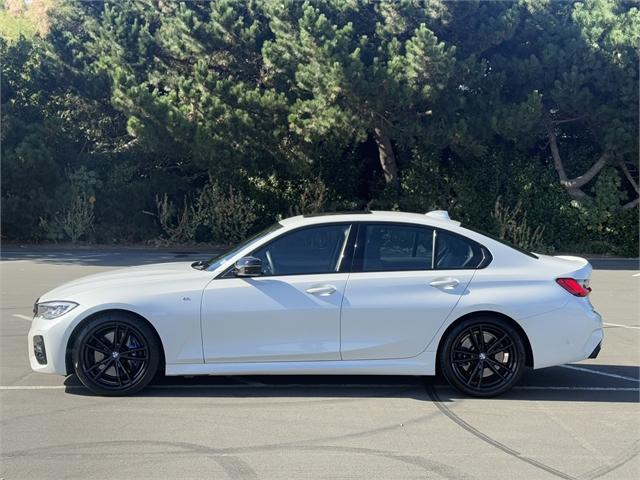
x: 483, y: 356
x: 116, y: 354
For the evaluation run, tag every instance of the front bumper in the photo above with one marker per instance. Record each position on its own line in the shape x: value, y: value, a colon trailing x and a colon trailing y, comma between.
x: 55, y: 336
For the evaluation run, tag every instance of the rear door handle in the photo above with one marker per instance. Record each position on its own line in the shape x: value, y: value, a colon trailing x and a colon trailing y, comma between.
x: 445, y: 283
x: 321, y: 290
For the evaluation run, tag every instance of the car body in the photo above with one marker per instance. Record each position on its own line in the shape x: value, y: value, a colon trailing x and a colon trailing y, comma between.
x: 352, y: 293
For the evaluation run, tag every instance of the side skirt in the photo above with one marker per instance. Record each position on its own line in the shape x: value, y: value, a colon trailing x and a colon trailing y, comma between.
x: 423, y: 364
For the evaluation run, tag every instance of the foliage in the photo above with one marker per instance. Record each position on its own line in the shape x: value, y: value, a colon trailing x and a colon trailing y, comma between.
x: 513, y: 226
x: 312, y: 197
x: 178, y: 226
x: 229, y: 214
x: 226, y: 215
x: 220, y: 117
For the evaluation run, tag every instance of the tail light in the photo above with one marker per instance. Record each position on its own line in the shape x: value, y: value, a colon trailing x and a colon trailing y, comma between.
x: 579, y: 288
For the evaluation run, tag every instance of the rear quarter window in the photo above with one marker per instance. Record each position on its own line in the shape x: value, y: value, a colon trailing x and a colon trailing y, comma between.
x: 454, y: 252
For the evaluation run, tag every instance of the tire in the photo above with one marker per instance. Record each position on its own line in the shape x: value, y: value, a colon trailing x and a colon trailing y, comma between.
x: 483, y: 356
x: 116, y: 354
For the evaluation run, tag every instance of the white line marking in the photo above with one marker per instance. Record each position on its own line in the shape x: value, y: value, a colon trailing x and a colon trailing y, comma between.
x: 23, y: 317
x: 586, y: 389
x: 604, y: 374
x: 204, y: 387
x: 33, y: 387
x: 220, y: 387
x: 636, y: 275
x: 619, y: 325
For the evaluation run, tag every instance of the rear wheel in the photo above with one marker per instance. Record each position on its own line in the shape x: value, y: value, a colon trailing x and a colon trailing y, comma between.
x: 483, y: 356
x: 116, y: 354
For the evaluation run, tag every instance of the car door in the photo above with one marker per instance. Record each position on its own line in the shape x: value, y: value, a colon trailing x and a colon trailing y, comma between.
x: 405, y: 281
x: 289, y: 313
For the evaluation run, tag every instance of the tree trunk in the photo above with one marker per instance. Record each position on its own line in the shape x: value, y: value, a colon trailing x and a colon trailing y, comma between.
x: 387, y: 158
x: 574, y: 185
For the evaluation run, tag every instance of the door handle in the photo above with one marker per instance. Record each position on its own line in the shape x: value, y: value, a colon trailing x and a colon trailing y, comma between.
x: 445, y: 283
x: 322, y: 290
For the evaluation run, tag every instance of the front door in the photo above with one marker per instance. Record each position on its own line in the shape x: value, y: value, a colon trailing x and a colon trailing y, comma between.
x: 291, y: 312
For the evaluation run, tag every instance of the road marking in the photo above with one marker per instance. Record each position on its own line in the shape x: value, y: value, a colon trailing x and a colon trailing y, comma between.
x: 636, y: 275
x: 604, y: 374
x: 204, y: 387
x: 619, y: 325
x: 34, y: 387
x: 581, y: 389
x: 243, y: 386
x: 23, y: 317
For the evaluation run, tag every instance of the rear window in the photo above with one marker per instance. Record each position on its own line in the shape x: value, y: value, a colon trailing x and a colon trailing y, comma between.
x: 394, y: 247
x: 397, y: 248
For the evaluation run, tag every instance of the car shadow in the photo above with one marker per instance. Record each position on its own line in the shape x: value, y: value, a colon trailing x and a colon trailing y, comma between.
x: 593, y: 383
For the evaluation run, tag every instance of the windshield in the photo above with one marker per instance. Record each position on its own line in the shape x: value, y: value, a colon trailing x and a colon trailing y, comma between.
x: 216, y: 262
x: 502, y: 241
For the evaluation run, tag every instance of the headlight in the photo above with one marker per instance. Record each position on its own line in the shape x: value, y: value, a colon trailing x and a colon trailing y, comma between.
x: 51, y: 310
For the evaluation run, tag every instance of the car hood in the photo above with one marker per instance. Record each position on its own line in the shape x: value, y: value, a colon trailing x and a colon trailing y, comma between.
x: 123, y: 279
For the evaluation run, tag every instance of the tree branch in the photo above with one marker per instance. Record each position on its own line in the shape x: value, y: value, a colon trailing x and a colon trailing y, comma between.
x: 627, y: 174
x: 567, y: 120
x: 559, y: 166
x: 586, y: 177
x: 555, y: 153
x: 574, y: 185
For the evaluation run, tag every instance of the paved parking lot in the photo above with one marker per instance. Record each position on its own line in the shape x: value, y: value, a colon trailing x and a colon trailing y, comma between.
x: 579, y: 421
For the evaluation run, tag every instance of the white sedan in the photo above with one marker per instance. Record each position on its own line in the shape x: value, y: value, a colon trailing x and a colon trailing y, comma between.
x: 361, y: 293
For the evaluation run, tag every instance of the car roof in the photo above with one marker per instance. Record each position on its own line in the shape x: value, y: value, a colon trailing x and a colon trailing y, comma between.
x: 434, y: 218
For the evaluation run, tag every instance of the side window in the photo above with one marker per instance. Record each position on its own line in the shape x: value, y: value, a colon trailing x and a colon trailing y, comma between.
x: 397, y: 247
x: 455, y: 252
x: 309, y: 250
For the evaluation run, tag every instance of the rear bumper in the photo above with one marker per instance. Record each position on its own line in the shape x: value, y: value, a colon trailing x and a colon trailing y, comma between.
x: 569, y: 334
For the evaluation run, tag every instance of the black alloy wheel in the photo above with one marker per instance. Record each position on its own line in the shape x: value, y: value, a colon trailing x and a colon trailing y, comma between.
x: 116, y: 355
x: 483, y: 356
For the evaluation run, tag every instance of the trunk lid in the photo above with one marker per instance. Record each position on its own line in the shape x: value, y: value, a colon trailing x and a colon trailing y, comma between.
x: 567, y: 266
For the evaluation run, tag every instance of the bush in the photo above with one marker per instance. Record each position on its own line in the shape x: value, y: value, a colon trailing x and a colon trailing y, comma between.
x: 227, y: 215
x: 178, y: 226
x: 513, y: 226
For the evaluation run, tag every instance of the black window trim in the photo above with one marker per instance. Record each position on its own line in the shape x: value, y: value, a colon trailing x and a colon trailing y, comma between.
x: 357, y: 258
x: 345, y: 262
x: 349, y: 263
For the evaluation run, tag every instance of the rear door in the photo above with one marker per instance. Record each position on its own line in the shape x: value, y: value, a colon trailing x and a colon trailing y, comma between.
x: 405, y: 281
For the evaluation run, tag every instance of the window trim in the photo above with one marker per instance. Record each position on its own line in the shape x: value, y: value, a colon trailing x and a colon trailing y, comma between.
x: 358, y: 259
x: 345, y: 262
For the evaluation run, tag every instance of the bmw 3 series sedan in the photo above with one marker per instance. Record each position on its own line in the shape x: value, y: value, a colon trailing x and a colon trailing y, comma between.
x: 366, y: 293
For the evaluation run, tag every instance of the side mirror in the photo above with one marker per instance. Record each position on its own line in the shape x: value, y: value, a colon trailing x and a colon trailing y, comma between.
x: 248, y: 267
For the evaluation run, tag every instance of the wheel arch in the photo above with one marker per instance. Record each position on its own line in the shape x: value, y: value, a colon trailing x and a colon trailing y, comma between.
x: 74, y: 334
x: 480, y: 313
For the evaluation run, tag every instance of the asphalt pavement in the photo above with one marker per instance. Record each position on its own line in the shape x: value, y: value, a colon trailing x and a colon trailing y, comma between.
x: 578, y: 421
